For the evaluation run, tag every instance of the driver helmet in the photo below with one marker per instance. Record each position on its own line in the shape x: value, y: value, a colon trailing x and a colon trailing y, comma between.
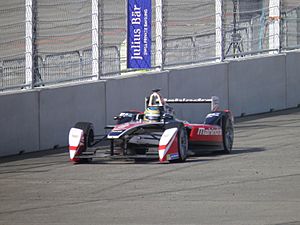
x: 152, y: 114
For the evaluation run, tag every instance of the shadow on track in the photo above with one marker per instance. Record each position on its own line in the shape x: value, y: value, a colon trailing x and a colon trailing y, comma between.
x: 234, y: 151
x: 31, y: 155
x: 204, y: 156
x: 247, y: 150
x: 199, y: 156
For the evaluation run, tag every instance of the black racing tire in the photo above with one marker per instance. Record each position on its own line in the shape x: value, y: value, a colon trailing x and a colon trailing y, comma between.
x: 227, y: 133
x: 182, y: 144
x: 88, y: 132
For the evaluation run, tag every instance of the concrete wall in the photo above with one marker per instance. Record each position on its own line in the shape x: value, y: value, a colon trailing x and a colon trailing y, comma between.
x: 61, y: 108
x: 19, y: 122
x: 40, y: 119
x: 257, y: 85
x: 293, y: 79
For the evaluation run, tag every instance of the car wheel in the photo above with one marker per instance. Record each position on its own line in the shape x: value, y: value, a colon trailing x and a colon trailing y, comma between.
x: 182, y: 144
x: 88, y: 135
x: 228, y: 134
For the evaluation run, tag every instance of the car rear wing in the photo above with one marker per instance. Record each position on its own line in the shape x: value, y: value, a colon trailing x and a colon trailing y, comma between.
x: 214, y: 101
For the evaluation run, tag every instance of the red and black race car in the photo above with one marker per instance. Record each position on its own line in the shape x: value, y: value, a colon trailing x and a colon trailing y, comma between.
x: 156, y: 133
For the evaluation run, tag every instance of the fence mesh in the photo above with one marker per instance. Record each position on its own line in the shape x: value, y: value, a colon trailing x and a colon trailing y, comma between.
x: 114, y: 37
x: 189, y: 31
x: 290, y: 24
x: 63, y: 32
x: 63, y: 35
x: 12, y: 43
x: 246, y: 26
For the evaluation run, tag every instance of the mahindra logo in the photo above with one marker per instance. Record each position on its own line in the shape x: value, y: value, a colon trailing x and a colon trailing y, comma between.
x: 209, y: 131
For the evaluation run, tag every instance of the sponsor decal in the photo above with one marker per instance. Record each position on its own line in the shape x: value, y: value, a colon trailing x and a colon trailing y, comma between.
x: 172, y: 156
x: 213, y: 115
x: 126, y: 115
x: 139, y: 34
x: 75, y: 136
x: 188, y: 100
x: 116, y: 132
x: 209, y: 131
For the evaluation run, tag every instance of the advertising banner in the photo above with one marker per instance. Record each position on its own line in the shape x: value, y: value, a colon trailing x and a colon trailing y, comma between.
x: 139, y: 34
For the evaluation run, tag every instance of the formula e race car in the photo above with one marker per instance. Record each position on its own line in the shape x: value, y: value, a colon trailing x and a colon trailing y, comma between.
x: 155, y: 133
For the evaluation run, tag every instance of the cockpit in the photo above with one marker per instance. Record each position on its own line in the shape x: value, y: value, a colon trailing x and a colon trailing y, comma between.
x: 155, y: 106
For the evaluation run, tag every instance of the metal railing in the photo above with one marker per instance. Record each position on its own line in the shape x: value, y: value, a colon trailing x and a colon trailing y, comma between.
x: 290, y: 35
x: 62, y: 42
x: 12, y: 73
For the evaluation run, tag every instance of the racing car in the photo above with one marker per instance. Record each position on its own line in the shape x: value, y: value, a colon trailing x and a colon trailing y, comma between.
x: 156, y: 133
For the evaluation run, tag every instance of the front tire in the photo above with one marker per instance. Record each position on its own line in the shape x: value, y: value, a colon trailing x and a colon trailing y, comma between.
x: 88, y: 132
x: 182, y: 144
x: 88, y: 136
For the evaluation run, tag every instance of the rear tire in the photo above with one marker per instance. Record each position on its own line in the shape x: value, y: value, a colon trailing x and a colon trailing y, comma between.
x: 228, y: 134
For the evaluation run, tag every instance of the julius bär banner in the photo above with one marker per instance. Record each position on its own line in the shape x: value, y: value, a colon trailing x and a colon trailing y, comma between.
x: 139, y: 34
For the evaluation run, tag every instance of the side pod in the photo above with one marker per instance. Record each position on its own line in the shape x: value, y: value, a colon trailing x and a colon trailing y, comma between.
x: 168, y: 145
x: 76, y: 139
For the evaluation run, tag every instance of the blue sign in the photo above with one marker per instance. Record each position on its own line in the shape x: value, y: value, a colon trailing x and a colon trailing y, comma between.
x: 139, y: 34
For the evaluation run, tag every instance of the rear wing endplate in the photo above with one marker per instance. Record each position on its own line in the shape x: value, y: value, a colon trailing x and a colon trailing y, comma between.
x: 214, y: 101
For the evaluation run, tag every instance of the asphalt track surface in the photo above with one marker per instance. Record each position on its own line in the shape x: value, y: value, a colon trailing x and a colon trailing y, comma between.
x: 259, y: 183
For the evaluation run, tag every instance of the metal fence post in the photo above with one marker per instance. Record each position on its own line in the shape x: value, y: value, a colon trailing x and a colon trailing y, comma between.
x: 101, y: 37
x: 274, y: 26
x: 80, y: 53
x: 284, y: 30
x: 194, y: 56
x: 29, y: 44
x: 1, y: 73
x: 159, y: 35
x: 262, y: 26
x: 219, y: 8
x: 95, y: 39
x: 250, y: 35
x: 298, y: 25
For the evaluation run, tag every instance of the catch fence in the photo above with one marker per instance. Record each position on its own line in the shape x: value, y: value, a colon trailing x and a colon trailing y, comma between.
x: 47, y: 42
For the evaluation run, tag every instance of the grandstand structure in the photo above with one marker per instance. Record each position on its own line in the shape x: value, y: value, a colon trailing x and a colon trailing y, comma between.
x: 48, y: 42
